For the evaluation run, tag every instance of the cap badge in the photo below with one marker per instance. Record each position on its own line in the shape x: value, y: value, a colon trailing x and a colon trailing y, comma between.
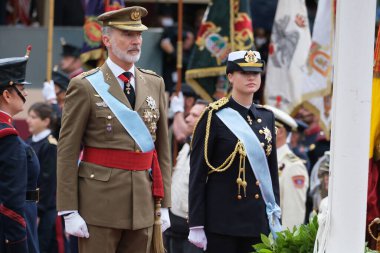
x: 250, y: 56
x: 135, y: 15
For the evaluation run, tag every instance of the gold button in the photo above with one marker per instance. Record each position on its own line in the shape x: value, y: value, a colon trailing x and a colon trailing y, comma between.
x: 109, y: 117
x: 6, y: 241
x: 262, y: 144
x: 257, y: 196
x: 257, y: 183
x: 261, y: 131
x: 259, y: 120
x: 92, y: 176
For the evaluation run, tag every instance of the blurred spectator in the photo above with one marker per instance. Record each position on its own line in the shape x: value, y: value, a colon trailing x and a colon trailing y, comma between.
x: 262, y: 42
x: 296, y: 143
x: 40, y: 120
x: 70, y: 62
x: 168, y: 45
x: 180, y: 106
x: 319, y: 180
x: 54, y: 93
x: 293, y: 175
x: 313, y: 131
x: 178, y: 232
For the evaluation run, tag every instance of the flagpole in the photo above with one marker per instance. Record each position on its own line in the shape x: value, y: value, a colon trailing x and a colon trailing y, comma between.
x: 179, y: 68
x: 50, y: 40
x: 353, y: 64
x: 179, y: 46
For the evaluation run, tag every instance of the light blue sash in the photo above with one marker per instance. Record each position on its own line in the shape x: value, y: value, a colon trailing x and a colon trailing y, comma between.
x: 258, y: 161
x: 129, y: 119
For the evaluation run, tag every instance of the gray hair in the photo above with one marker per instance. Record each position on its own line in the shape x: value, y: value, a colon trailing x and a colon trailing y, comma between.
x: 107, y: 30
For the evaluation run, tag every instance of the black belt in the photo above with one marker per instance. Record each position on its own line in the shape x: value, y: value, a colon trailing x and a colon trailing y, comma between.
x: 33, y: 195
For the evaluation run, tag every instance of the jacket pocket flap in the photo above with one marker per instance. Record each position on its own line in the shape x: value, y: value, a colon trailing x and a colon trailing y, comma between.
x: 93, y: 171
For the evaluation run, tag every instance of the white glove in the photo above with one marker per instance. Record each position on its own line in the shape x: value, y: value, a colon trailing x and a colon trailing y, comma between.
x: 165, y: 219
x: 75, y: 225
x: 177, y: 103
x: 48, y: 91
x: 197, y: 237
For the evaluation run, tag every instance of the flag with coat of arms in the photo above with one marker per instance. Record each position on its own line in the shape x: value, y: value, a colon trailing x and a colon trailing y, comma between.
x: 226, y: 27
x: 93, y: 53
x: 317, y: 87
x: 288, y: 50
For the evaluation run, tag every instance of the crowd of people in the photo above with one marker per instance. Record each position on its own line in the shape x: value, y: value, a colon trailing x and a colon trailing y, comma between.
x: 101, y: 172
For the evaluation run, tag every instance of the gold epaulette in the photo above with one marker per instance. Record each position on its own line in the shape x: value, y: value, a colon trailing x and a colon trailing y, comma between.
x: 90, y: 72
x: 150, y: 72
x: 218, y: 104
x: 52, y: 140
x: 258, y: 106
x: 211, y: 107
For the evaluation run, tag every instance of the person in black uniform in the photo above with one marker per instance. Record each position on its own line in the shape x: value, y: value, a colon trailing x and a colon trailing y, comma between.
x: 40, y: 120
x: 228, y: 197
x: 54, y: 93
x: 19, y: 167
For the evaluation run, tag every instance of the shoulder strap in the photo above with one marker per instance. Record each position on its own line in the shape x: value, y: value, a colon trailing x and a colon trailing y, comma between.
x: 6, y: 130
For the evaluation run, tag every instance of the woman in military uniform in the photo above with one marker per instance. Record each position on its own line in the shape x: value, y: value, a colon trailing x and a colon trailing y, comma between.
x: 19, y: 167
x: 234, y: 190
x: 41, y: 118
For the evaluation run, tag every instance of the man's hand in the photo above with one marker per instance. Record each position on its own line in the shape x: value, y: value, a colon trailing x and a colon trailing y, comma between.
x: 197, y: 237
x: 165, y: 219
x: 48, y: 92
x: 75, y: 225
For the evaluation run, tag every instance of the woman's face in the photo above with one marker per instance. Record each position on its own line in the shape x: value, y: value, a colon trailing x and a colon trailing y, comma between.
x: 35, y: 123
x: 245, y: 82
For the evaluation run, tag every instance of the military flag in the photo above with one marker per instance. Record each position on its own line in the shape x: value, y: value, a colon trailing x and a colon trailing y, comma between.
x: 93, y: 53
x: 288, y: 50
x: 317, y: 87
x: 226, y: 27
x: 373, y: 198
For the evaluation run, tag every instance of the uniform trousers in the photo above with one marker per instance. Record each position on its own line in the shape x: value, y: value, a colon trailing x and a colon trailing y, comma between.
x: 112, y: 240
x: 217, y: 243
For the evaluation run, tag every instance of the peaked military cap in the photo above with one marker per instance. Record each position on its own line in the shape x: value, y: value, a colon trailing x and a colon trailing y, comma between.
x: 13, y: 70
x: 60, y: 79
x: 282, y: 118
x: 69, y: 50
x: 248, y: 61
x: 125, y: 19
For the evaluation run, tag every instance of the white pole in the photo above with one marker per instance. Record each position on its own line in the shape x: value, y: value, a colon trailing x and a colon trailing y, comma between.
x: 354, y: 49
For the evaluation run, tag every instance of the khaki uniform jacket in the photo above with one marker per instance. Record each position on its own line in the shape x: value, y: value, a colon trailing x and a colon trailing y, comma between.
x: 294, y: 181
x: 104, y: 196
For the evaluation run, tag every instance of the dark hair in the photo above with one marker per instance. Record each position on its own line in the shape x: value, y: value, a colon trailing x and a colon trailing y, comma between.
x: 201, y: 102
x: 44, y: 111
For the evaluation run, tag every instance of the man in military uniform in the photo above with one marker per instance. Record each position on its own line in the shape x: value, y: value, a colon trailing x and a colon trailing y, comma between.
x: 294, y: 178
x: 117, y: 112
x: 70, y: 63
x: 19, y: 167
x: 232, y: 202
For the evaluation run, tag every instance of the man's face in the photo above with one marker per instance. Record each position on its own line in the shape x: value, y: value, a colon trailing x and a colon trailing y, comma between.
x: 193, y: 116
x: 124, y: 45
x: 66, y: 63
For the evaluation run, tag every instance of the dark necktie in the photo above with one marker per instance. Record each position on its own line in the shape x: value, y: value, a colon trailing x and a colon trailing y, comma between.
x: 128, y: 88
